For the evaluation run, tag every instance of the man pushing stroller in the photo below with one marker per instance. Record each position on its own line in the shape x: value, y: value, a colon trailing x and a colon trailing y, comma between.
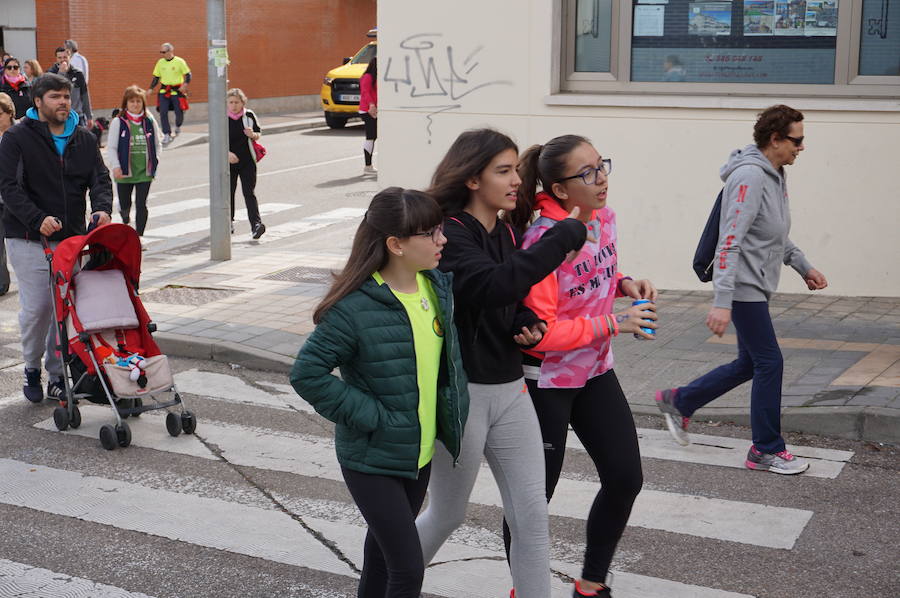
x: 47, y: 164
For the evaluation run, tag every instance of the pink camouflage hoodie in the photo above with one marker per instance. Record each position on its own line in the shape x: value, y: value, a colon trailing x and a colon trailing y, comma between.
x: 574, y: 299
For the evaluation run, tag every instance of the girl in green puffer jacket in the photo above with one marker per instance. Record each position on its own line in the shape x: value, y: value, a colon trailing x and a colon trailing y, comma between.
x: 387, y: 324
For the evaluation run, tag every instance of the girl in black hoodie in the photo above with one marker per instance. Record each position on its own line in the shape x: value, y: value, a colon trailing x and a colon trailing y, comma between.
x: 473, y: 183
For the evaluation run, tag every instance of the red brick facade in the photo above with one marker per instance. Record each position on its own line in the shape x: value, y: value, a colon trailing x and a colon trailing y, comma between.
x: 277, y: 48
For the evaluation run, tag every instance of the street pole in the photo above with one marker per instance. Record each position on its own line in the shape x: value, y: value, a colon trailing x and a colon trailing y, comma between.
x: 219, y: 192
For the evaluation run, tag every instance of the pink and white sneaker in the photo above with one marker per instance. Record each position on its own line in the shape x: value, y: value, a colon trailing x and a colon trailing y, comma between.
x: 784, y: 462
x: 675, y: 421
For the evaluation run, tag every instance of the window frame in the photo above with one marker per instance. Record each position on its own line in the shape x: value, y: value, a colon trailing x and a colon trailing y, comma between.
x: 848, y: 82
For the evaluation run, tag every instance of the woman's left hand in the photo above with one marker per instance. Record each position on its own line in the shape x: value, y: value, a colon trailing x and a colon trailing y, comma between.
x: 531, y: 336
x: 250, y: 133
x: 639, y: 289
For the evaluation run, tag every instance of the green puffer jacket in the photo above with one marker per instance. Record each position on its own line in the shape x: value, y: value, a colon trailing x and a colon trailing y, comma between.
x: 368, y: 335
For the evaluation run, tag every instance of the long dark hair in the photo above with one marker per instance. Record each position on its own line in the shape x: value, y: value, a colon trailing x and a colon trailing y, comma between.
x: 469, y: 155
x: 545, y: 164
x: 372, y: 69
x: 394, y: 212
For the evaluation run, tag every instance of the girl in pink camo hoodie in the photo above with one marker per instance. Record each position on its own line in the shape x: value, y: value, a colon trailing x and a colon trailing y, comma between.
x: 569, y: 372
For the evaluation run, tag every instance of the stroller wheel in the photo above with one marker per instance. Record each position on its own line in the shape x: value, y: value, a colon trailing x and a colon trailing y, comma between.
x: 188, y: 422
x: 138, y: 403
x: 108, y: 437
x: 123, y: 435
x: 61, y: 418
x: 173, y: 424
x: 75, y: 419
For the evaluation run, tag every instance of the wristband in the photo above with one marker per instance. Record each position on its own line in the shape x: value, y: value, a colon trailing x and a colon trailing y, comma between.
x: 619, y: 283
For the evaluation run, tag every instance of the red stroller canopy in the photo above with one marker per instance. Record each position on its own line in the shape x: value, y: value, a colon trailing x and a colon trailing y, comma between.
x: 120, y: 239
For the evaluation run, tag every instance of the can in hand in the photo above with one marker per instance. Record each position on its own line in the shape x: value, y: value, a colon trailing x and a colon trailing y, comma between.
x: 647, y: 330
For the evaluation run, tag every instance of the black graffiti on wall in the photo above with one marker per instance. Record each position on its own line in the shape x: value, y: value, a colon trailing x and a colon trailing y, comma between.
x: 434, y: 75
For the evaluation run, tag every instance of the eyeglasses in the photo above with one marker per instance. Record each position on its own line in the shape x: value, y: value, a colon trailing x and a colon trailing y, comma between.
x: 12, y: 67
x: 797, y: 141
x: 435, y: 233
x: 590, y: 176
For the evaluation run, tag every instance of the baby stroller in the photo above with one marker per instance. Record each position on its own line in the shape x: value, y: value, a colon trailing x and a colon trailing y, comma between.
x: 104, y: 333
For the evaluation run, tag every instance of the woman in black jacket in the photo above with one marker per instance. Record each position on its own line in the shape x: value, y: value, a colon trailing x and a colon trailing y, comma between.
x: 14, y: 84
x: 473, y: 183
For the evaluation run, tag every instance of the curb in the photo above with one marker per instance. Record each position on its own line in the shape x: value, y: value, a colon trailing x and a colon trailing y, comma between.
x: 874, y: 424
x: 312, y: 123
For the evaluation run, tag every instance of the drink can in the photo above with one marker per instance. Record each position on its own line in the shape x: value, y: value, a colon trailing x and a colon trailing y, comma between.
x: 647, y: 330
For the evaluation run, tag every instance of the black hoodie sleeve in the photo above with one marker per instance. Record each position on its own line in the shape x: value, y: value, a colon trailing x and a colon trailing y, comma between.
x: 479, y: 280
x: 14, y: 196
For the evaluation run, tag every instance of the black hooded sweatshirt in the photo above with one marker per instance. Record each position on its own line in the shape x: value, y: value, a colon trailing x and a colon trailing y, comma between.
x: 490, y: 279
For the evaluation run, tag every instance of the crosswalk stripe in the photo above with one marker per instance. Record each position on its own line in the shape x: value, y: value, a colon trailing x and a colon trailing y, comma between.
x: 308, y: 224
x: 725, y: 452
x: 11, y: 400
x: 168, y: 209
x: 313, y: 456
x: 210, y: 522
x: 202, y: 224
x: 234, y: 390
x: 23, y: 581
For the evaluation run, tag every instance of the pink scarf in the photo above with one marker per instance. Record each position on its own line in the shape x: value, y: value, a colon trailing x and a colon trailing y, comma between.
x: 236, y: 115
x: 135, y: 118
x: 14, y: 82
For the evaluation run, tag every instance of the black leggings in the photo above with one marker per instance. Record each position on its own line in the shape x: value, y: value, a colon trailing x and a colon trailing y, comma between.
x: 393, y: 565
x: 371, y: 126
x: 140, y: 203
x: 600, y: 416
x: 246, y: 171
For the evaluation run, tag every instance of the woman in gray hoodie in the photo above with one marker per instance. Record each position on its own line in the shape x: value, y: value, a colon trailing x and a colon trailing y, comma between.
x: 753, y: 243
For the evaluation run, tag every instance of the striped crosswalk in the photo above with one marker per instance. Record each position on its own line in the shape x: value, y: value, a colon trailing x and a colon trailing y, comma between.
x: 288, y: 528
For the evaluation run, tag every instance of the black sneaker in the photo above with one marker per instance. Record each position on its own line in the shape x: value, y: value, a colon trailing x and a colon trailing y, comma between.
x: 258, y: 230
x: 32, y: 389
x: 56, y: 391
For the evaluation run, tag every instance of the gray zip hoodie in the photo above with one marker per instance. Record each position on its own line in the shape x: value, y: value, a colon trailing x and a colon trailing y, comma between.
x: 753, y: 230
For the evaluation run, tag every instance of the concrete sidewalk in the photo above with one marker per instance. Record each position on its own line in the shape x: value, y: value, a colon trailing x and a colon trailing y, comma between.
x: 198, y: 133
x: 842, y: 355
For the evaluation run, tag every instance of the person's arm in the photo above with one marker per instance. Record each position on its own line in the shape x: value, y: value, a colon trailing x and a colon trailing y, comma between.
x: 85, y: 69
x: 14, y: 196
x: 740, y: 205
x: 157, y: 138
x: 795, y: 258
x: 481, y: 281
x: 112, y: 145
x: 100, y: 189
x: 85, y: 99
x: 331, y: 344
x: 153, y: 83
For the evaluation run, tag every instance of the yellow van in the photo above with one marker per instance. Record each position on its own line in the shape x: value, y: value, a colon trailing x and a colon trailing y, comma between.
x: 340, y: 89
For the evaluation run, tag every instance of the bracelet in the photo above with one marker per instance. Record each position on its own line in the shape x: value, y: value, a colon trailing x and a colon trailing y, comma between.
x: 619, y: 283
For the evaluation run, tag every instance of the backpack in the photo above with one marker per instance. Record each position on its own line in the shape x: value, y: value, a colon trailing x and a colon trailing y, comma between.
x: 705, y: 254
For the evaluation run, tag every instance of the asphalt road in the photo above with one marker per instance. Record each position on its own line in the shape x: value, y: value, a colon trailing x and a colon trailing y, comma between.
x: 252, y: 505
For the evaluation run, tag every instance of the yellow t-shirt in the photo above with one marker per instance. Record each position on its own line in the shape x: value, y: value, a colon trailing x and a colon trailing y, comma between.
x: 171, y: 72
x: 428, y: 340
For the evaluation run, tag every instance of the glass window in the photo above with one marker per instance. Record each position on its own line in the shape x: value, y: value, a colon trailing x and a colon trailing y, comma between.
x: 879, y: 50
x: 593, y: 26
x: 734, y: 41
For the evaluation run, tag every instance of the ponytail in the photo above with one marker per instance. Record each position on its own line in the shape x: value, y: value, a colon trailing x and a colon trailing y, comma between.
x: 520, y: 217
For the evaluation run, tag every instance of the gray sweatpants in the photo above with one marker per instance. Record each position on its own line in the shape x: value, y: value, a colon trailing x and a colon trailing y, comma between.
x: 503, y: 427
x: 36, y: 326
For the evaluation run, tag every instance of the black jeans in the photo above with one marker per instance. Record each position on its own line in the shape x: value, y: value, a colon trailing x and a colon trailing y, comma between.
x: 140, y: 203
x: 393, y: 565
x: 173, y: 102
x: 246, y: 170
x: 599, y: 414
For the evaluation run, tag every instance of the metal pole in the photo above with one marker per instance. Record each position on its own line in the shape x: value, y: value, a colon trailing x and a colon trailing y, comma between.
x: 219, y: 192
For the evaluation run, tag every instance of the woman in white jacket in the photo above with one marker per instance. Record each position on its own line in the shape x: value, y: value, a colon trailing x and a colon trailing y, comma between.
x: 133, y: 150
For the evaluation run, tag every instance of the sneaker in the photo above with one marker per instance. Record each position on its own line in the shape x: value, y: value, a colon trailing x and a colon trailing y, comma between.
x: 177, y: 132
x: 56, y: 391
x: 784, y: 462
x: 675, y: 421
x: 167, y: 139
x: 258, y: 230
x: 369, y: 169
x: 603, y: 592
x: 32, y: 389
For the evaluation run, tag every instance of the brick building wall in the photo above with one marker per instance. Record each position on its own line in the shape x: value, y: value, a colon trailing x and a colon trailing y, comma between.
x: 277, y: 48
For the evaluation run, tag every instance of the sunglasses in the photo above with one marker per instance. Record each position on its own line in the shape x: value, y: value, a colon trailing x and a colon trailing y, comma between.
x: 797, y: 141
x: 164, y: 51
x: 12, y: 67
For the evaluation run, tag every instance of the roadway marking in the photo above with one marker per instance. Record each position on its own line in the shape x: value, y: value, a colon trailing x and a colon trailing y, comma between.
x: 725, y: 452
x: 202, y: 224
x: 313, y: 456
x: 210, y: 522
x: 24, y: 581
x: 308, y: 224
x: 234, y: 390
x: 270, y: 173
x: 12, y: 400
